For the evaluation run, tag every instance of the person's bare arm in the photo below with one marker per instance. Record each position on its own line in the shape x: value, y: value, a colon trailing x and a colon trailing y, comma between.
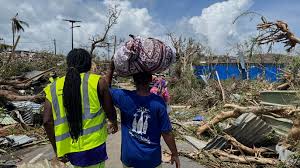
x: 170, y: 141
x: 48, y: 123
x: 107, y: 103
x: 110, y: 73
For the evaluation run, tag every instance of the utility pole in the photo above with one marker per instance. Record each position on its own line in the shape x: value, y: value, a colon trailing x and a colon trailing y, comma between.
x: 108, y: 45
x: 72, y: 27
x: 115, y: 45
x: 54, y: 41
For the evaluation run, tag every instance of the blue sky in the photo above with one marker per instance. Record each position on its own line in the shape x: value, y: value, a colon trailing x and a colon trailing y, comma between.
x: 209, y: 21
x: 168, y: 11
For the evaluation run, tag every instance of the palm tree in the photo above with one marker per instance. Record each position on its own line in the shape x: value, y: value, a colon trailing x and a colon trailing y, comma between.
x: 17, y: 26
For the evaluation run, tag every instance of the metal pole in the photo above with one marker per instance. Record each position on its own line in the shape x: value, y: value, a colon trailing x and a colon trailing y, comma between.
x: 72, y: 35
x: 107, y: 51
x: 115, y: 45
x: 72, y: 26
x: 54, y: 46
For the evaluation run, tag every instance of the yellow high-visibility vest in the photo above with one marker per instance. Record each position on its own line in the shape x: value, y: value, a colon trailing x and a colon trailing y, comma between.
x: 93, y: 117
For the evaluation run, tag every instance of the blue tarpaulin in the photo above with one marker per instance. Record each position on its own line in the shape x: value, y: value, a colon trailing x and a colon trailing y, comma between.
x: 232, y: 70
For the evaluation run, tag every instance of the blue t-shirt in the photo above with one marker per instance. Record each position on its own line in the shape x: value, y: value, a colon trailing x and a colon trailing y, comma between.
x: 143, y: 119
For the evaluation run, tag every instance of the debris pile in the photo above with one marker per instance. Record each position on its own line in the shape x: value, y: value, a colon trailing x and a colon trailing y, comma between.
x: 21, y: 102
x: 251, y: 127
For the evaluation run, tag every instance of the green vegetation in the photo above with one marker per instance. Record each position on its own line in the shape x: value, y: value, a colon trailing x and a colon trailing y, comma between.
x: 29, y: 62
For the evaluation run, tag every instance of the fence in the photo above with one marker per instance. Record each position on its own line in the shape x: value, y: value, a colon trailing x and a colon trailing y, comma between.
x: 253, y: 71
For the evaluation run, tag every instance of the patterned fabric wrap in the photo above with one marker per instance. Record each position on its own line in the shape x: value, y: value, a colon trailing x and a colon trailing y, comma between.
x: 143, y: 55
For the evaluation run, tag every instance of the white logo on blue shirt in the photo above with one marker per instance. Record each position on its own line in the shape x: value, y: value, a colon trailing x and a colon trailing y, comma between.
x: 140, y: 126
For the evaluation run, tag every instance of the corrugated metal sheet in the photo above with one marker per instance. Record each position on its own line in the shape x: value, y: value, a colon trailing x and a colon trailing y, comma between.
x: 27, y: 110
x: 282, y: 126
x: 6, y: 119
x: 248, y: 129
x: 27, y: 106
x: 282, y: 97
x: 32, y: 74
x: 19, y: 140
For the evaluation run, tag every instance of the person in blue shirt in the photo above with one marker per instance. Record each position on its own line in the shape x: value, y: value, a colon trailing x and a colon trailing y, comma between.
x: 144, y: 120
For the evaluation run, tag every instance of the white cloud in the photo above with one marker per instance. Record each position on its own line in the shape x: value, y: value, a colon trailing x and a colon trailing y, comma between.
x: 45, y: 19
x: 215, y: 23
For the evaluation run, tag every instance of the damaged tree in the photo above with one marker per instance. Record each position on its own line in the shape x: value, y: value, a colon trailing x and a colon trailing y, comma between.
x: 112, y: 17
x: 273, y: 32
x: 278, y: 31
x: 186, y: 51
x: 17, y: 26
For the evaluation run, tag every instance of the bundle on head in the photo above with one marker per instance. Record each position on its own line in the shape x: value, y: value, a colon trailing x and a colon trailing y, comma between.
x: 78, y: 61
x: 143, y: 55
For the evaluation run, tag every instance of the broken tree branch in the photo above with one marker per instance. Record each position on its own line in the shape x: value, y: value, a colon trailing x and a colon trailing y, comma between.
x: 273, y: 32
x: 242, y: 159
x: 113, y: 15
x: 237, y: 144
x: 12, y: 96
x: 238, y: 110
x: 277, y: 32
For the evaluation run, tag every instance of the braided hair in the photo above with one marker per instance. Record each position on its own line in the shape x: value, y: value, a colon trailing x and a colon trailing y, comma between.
x: 78, y: 61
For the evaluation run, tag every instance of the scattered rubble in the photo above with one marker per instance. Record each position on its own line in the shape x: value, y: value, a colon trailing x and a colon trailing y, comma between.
x: 237, y: 121
x: 21, y: 103
x: 246, y: 122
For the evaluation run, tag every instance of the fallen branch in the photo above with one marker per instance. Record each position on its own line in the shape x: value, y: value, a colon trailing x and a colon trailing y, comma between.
x: 237, y: 144
x: 284, y: 86
x: 238, y: 110
x: 242, y: 159
x: 10, y: 82
x: 12, y: 96
x: 218, y: 118
x: 8, y: 87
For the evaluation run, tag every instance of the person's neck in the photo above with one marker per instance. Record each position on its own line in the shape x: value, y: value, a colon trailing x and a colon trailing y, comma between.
x: 143, y: 90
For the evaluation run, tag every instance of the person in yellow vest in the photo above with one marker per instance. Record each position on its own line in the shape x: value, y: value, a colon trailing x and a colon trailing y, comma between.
x: 75, y: 113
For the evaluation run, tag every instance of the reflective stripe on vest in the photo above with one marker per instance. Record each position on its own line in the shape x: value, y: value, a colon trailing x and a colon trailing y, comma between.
x: 85, y: 132
x: 86, y: 110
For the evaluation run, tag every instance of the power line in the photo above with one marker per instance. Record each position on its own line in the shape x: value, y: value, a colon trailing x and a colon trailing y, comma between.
x: 35, y: 42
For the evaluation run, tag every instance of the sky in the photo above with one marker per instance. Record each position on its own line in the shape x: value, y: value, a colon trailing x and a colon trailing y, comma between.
x: 208, y: 21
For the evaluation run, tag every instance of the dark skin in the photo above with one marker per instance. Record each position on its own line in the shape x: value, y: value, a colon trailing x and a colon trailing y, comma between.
x: 106, y: 102
x: 143, y: 90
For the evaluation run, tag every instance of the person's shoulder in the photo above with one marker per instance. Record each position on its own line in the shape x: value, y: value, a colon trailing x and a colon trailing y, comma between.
x: 157, y: 99
x: 120, y: 91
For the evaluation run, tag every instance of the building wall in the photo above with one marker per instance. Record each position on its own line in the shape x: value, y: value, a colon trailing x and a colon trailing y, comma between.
x: 253, y: 71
